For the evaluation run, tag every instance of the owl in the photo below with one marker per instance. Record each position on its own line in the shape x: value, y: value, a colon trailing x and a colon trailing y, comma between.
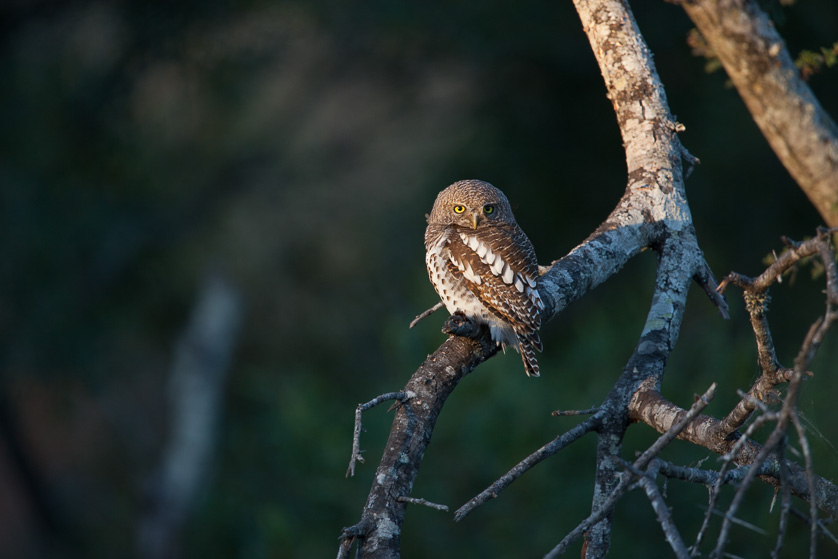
x: 483, y: 266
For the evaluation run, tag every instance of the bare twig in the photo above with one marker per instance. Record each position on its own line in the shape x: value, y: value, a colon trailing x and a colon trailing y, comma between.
x: 423, y: 502
x: 739, y: 522
x: 704, y: 277
x: 425, y: 314
x: 699, y: 475
x: 356, y: 436
x: 822, y: 523
x: 785, y: 507
x: 810, y: 476
x: 564, y: 413
x: 673, y: 536
x: 626, y: 480
x: 527, y: 463
x: 795, y: 253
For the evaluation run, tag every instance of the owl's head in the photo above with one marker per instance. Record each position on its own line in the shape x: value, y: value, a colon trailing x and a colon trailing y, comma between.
x: 472, y: 204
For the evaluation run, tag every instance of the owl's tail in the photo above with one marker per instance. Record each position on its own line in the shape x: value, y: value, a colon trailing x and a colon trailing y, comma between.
x: 527, y: 347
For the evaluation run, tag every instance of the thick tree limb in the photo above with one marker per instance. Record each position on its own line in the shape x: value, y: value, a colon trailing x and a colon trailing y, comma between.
x: 379, y: 531
x: 789, y: 115
x: 655, y: 194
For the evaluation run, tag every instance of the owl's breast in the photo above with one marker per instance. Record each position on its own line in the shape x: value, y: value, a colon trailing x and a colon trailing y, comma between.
x: 454, y: 292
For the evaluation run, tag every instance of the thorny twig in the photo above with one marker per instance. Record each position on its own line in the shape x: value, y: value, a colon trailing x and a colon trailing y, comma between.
x: 626, y: 480
x: 756, y: 301
x: 758, y: 288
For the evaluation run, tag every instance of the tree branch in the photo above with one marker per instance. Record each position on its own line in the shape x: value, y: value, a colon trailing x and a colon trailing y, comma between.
x: 789, y: 115
x: 356, y: 434
x: 656, y: 196
x: 624, y: 481
x: 664, y: 517
x: 653, y: 213
x: 756, y: 303
x: 649, y: 406
x: 653, y: 409
x: 527, y: 463
x: 379, y: 531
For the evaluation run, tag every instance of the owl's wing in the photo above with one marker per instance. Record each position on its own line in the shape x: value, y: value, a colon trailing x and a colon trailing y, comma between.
x: 500, y: 267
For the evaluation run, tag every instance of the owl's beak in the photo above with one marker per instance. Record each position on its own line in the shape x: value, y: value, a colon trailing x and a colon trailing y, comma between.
x: 474, y: 217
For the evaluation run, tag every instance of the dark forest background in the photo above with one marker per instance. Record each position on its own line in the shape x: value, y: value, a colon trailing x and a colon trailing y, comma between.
x: 294, y: 148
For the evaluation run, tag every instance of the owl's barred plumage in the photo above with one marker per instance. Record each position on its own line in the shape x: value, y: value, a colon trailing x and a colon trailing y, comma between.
x: 483, y: 265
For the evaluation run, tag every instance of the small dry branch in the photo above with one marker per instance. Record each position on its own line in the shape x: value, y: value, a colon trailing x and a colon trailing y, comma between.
x: 423, y: 502
x: 356, y: 436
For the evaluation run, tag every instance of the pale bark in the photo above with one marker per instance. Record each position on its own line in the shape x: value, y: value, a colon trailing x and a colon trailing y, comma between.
x: 756, y: 59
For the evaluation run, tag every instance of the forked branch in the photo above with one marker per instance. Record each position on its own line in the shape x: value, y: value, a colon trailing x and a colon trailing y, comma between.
x: 653, y: 213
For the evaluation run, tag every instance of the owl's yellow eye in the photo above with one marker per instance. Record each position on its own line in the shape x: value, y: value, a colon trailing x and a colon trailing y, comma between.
x: 488, y: 209
x: 459, y: 209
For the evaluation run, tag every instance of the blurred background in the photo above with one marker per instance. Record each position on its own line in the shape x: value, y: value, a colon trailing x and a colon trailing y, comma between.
x: 211, y: 231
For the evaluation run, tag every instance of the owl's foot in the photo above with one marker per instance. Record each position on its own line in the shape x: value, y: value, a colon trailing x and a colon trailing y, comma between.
x: 458, y: 324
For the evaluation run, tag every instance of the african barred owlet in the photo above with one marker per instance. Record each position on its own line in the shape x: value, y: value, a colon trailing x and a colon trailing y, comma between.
x: 483, y: 266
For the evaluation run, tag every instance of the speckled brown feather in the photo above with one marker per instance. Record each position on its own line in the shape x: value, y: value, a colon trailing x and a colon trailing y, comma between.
x: 490, y: 272
x: 513, y: 247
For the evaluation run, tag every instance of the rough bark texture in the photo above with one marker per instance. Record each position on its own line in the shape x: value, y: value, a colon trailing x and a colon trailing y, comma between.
x: 655, y: 410
x: 379, y: 531
x: 790, y: 117
x: 655, y: 200
x: 653, y: 213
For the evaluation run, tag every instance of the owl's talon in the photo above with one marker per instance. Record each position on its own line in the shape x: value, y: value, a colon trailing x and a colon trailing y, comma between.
x: 458, y: 324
